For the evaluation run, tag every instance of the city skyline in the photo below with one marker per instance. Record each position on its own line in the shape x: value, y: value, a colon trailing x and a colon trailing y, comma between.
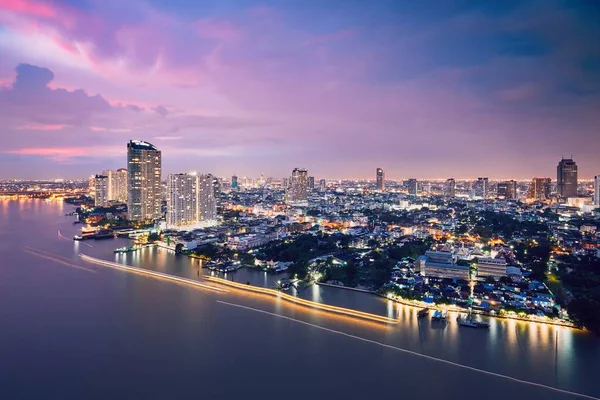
x: 253, y: 86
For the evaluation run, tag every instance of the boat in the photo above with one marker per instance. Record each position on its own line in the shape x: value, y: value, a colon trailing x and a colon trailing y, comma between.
x: 470, y: 322
x: 126, y: 249
x: 423, y: 312
x: 104, y: 234
x: 439, y: 315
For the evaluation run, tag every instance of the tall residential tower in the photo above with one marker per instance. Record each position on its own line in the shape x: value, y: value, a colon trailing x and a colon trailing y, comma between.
x: 144, y: 166
x: 380, y: 178
x: 566, y: 178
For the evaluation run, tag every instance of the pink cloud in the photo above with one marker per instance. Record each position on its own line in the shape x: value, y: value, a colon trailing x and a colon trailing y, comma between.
x: 42, y: 127
x: 28, y: 8
x: 218, y: 29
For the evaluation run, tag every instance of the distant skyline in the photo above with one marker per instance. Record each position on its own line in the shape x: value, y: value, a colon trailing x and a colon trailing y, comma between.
x: 432, y: 89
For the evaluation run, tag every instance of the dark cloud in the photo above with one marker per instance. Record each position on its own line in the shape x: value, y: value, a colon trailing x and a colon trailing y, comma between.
x: 162, y: 111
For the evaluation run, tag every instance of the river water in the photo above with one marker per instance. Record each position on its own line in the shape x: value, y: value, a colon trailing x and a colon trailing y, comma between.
x: 73, y: 330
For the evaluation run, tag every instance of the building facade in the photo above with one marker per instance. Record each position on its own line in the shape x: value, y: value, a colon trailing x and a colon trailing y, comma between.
x: 450, y: 188
x: 144, y: 168
x: 481, y: 188
x: 494, y: 267
x: 566, y: 178
x: 413, y: 186
x: 380, y: 179
x: 540, y: 189
x: 182, y: 200
x: 597, y: 190
x: 322, y: 185
x: 298, y: 186
x: 507, y: 190
x: 207, y: 203
x: 101, y: 191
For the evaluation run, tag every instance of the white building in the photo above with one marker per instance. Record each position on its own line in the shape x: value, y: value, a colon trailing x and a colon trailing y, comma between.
x: 494, y: 267
x: 101, y: 191
x: 597, y: 190
x: 182, y: 200
x: 207, y: 204
x: 117, y: 185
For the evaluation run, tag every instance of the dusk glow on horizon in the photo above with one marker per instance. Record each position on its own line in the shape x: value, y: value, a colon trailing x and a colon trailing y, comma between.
x: 427, y: 89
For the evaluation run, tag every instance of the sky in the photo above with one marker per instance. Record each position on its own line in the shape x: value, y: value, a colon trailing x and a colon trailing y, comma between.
x: 424, y: 89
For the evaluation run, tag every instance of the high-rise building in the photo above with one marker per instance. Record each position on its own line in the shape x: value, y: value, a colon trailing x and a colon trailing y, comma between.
x: 450, y: 189
x: 413, y: 186
x: 117, y: 185
x: 566, y: 178
x: 234, y: 182
x: 380, y: 179
x: 207, y: 204
x: 92, y: 186
x: 144, y: 164
x: 597, y: 190
x: 311, y: 183
x: 481, y: 188
x: 322, y: 185
x: 101, y: 191
x: 507, y: 190
x: 540, y: 189
x: 298, y: 186
x: 182, y: 199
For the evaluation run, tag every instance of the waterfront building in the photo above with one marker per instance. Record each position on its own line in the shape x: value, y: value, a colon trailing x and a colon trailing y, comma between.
x: 507, y: 190
x: 234, y: 182
x: 597, y: 190
x: 441, y: 264
x: 182, y: 199
x: 413, y: 187
x: 101, y: 191
x: 117, y: 185
x: 298, y: 187
x: 380, y: 179
x: 144, y: 194
x: 481, y: 188
x: 494, y: 267
x: 450, y: 188
x: 540, y: 189
x: 207, y: 204
x: 566, y: 178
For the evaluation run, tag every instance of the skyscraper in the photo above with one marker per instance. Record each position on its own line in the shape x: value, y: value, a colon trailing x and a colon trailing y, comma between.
x: 322, y: 185
x: 117, y: 185
x: 566, y: 178
x: 413, y: 187
x: 311, y: 182
x: 481, y: 188
x: 380, y: 179
x: 298, y: 186
x: 540, y: 189
x: 597, y: 190
x: 207, y: 204
x: 143, y: 181
x: 450, y: 189
x: 101, y: 191
x: 507, y: 190
x: 234, y: 182
x: 182, y: 199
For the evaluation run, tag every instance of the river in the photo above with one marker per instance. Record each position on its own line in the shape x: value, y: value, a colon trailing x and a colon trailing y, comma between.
x: 73, y: 330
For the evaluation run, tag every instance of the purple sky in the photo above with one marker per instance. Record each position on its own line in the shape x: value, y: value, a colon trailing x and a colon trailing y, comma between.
x: 426, y: 89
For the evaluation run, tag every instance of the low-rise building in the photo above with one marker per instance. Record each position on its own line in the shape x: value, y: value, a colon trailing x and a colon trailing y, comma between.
x: 494, y: 267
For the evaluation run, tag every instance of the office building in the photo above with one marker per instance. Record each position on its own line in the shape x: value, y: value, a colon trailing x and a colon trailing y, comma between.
x: 507, y: 190
x: 540, y: 189
x: 412, y: 186
x: 298, y: 186
x: 450, y: 188
x: 101, y: 191
x: 597, y: 190
x: 380, y: 179
x: 322, y: 185
x: 311, y: 183
x: 234, y: 182
x: 207, y: 204
x: 182, y: 199
x: 566, y: 178
x: 494, y: 267
x: 481, y: 188
x: 144, y: 194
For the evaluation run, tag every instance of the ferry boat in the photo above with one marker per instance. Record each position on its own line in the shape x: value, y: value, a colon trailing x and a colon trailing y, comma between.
x: 423, y: 312
x: 126, y: 249
x: 439, y: 315
x: 470, y: 322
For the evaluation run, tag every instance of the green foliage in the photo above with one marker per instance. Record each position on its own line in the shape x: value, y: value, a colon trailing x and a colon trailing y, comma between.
x: 583, y: 281
x: 246, y: 259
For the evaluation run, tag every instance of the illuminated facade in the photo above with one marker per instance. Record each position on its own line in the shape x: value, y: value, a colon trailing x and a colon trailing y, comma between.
x: 182, y: 199
x: 311, y: 182
x: 566, y: 178
x: 144, y: 165
x: 322, y: 185
x: 540, y: 189
x: 298, y: 187
x: 380, y: 179
x: 413, y: 186
x: 117, y: 185
x: 207, y: 204
x: 101, y: 191
x: 507, y: 190
x: 481, y: 188
x: 234, y: 182
x: 494, y: 267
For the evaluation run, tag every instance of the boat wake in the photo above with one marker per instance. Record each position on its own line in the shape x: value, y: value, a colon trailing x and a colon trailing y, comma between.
x: 56, y: 258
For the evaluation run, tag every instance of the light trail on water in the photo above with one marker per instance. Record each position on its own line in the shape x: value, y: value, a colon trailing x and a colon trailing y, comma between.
x: 414, y: 353
x: 55, y: 258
